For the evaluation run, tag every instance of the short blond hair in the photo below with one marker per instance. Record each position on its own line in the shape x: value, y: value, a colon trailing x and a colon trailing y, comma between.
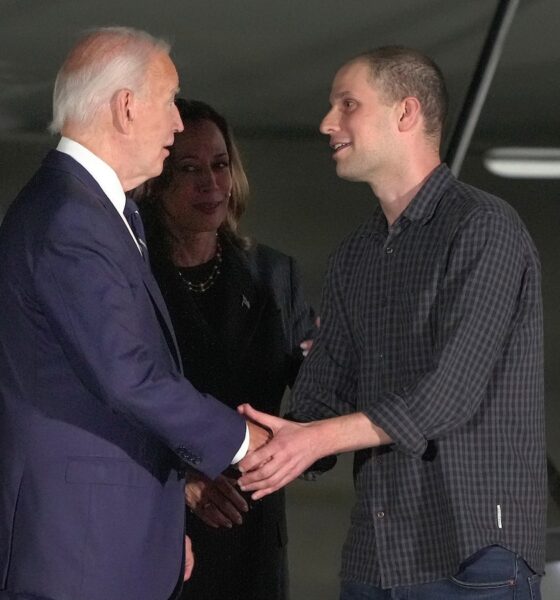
x: 400, y: 72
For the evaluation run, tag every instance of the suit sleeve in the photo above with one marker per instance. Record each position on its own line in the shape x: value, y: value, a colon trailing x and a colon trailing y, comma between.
x: 109, y: 332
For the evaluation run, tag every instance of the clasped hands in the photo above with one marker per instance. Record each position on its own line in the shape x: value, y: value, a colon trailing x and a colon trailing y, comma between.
x: 291, y: 448
x: 279, y: 451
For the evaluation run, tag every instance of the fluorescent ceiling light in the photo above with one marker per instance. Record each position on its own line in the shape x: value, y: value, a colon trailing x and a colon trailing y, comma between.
x: 524, y: 163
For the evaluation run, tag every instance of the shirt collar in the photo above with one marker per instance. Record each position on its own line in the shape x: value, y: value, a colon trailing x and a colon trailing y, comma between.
x: 103, y: 174
x: 424, y: 204
x: 422, y: 207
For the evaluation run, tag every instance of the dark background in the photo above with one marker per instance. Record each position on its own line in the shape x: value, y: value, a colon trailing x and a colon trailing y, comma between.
x: 268, y: 67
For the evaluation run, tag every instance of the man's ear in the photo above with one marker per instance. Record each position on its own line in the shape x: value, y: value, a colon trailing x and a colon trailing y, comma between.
x: 123, y: 109
x: 410, y: 113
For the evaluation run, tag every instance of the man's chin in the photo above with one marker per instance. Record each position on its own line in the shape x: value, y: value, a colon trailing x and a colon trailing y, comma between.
x: 346, y: 173
x: 158, y: 168
x: 144, y: 176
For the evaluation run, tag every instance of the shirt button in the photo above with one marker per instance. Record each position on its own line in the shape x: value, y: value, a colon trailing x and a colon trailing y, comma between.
x: 379, y: 514
x: 389, y: 250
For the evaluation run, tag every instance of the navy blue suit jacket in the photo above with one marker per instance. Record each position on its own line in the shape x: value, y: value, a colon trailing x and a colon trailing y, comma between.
x: 96, y: 420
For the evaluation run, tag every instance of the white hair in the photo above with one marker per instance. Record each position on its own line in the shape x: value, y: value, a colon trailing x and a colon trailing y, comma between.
x: 103, y: 62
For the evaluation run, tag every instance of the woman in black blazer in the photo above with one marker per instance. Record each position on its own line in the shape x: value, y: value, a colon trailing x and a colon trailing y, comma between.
x: 240, y: 319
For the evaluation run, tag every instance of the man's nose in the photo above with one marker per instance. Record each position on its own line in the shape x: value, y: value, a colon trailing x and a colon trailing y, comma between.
x: 329, y: 123
x: 177, y: 121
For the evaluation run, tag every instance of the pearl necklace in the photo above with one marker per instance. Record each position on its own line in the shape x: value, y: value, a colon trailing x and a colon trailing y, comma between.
x: 200, y: 287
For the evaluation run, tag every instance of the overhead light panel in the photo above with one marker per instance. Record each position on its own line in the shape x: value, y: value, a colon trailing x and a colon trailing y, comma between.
x: 524, y: 163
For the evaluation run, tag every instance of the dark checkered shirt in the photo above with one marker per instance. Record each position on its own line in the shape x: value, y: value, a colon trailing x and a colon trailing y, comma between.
x: 433, y: 329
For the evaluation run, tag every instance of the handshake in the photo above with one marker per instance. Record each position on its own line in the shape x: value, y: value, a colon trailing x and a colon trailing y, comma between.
x: 279, y: 451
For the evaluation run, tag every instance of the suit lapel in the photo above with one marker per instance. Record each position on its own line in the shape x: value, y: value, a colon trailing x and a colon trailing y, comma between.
x: 59, y: 160
x: 149, y: 282
x: 163, y: 313
x: 244, y: 304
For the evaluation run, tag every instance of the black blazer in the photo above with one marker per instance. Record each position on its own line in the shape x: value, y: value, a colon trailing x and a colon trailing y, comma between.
x: 256, y: 354
x: 252, y: 358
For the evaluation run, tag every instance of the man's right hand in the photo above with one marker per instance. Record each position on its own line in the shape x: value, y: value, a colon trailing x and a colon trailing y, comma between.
x: 296, y: 446
x: 293, y: 448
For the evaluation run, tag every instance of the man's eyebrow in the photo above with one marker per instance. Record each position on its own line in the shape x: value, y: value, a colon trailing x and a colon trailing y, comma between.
x: 338, y: 95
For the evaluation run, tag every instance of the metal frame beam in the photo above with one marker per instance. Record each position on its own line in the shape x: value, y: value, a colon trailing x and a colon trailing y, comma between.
x: 478, y: 90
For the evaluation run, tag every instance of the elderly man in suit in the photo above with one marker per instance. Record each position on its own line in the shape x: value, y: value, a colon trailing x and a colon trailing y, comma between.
x: 97, y: 423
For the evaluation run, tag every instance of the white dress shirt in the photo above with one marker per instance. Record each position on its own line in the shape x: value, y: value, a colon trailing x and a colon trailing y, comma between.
x: 101, y: 172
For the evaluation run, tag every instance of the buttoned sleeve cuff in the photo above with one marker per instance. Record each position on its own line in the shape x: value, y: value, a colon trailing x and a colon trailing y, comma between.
x: 241, y: 453
x: 391, y: 413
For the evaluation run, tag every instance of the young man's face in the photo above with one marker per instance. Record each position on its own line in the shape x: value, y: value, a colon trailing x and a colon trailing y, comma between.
x: 361, y: 125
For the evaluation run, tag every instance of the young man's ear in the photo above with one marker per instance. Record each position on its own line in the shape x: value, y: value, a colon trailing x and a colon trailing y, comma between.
x: 123, y: 109
x: 409, y: 113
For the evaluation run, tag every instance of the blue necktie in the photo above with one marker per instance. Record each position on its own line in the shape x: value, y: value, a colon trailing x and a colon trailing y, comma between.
x: 135, y: 221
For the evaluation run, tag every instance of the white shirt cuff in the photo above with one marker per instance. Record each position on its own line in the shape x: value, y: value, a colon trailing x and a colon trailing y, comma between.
x: 244, y: 447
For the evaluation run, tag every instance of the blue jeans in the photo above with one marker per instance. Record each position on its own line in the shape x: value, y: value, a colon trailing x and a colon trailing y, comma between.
x: 493, y: 573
